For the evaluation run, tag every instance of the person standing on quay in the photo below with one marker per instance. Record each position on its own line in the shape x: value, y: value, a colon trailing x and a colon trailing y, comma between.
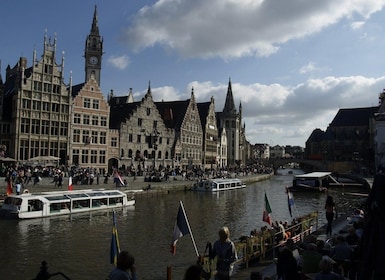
x: 329, y: 208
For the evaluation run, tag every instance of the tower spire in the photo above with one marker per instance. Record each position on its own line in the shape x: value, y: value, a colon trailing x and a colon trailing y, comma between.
x: 229, y: 103
x: 95, y: 27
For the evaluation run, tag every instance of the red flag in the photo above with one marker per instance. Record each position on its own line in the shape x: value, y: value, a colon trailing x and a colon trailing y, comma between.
x: 181, y: 228
x: 70, y: 187
x: 267, y: 212
x: 9, y: 187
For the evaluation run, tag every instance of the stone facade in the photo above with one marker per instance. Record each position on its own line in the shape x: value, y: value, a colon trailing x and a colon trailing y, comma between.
x: 37, y: 107
x: 90, y: 136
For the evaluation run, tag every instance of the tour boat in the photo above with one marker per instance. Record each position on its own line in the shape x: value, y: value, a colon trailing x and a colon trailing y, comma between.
x: 322, y: 181
x: 215, y: 185
x: 47, y: 204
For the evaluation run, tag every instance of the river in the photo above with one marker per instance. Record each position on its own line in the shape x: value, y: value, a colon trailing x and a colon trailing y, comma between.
x: 79, y: 245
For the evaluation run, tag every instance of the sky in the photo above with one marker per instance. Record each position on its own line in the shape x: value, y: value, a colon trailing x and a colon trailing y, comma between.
x: 292, y: 63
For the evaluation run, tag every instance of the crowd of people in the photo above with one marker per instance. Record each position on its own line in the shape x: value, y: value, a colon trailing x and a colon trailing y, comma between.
x: 334, y: 258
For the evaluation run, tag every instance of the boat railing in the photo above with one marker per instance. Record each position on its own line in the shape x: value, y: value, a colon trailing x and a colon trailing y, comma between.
x: 260, y: 243
x: 267, y: 240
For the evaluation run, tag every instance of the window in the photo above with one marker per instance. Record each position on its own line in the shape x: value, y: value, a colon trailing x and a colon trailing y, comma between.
x: 94, y: 156
x: 55, y: 107
x: 103, y: 137
x: 75, y: 157
x: 63, y: 128
x: 45, y: 106
x: 95, y: 120
x: 44, y: 148
x: 77, y: 118
x: 87, y: 103
x: 84, y: 156
x: 130, y: 137
x: 103, y: 121
x: 102, y: 156
x: 86, y: 119
x: 114, y: 142
x: 94, y: 137
x: 86, y: 137
x: 95, y: 104
x: 45, y: 127
x: 54, y: 128
x: 140, y: 122
x: 24, y: 125
x: 35, y: 128
x: 148, y: 111
x: 76, y: 136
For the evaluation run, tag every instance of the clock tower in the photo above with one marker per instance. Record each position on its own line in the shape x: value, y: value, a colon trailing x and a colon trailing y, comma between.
x: 93, y: 51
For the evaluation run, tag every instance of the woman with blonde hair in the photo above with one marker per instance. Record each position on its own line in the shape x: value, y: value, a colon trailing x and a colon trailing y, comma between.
x: 224, y: 250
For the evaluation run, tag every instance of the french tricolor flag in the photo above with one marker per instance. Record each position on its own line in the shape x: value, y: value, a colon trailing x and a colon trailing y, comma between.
x: 181, y: 228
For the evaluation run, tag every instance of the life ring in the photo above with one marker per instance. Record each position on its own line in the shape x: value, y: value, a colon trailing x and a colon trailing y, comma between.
x: 26, y: 191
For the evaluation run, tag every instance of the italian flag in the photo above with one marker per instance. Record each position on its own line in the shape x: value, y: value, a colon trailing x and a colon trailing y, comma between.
x: 267, y: 212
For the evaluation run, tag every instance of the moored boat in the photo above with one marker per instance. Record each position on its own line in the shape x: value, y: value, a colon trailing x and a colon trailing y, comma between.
x: 322, y: 181
x: 215, y: 185
x: 47, y: 204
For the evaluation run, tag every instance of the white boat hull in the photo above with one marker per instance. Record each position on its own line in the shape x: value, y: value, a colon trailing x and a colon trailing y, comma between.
x: 29, y: 206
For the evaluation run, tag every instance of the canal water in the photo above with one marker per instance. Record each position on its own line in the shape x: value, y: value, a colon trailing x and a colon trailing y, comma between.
x: 79, y: 245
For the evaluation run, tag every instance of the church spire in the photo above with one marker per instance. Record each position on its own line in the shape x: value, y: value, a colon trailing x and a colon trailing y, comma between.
x: 229, y: 103
x: 95, y: 26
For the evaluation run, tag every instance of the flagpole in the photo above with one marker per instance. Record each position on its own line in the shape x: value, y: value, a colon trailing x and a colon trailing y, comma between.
x: 189, y: 229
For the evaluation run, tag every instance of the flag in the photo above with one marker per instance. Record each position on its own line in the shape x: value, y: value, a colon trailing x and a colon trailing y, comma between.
x: 115, y: 247
x: 181, y: 228
x: 9, y: 187
x: 290, y: 201
x: 118, y: 178
x: 70, y: 187
x: 267, y: 212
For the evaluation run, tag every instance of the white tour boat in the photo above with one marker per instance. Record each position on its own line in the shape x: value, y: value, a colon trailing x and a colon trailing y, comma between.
x: 313, y: 181
x: 47, y: 204
x: 215, y: 185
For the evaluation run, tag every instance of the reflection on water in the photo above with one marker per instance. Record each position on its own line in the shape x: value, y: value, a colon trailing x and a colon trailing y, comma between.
x: 79, y: 245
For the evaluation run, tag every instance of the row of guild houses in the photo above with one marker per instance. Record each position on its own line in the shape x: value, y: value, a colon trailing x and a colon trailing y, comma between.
x: 43, y: 118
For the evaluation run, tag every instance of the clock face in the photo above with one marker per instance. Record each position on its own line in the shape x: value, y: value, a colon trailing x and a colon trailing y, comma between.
x: 93, y: 60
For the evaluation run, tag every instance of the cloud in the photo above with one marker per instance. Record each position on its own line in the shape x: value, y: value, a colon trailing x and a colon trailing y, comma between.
x: 233, y: 29
x: 357, y: 24
x: 278, y: 114
x: 120, y: 62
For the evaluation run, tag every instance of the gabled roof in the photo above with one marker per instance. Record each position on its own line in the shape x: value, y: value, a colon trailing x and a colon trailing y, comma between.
x: 120, y: 112
x: 203, y: 109
x: 76, y: 89
x: 317, y: 135
x: 173, y: 112
x: 354, y: 116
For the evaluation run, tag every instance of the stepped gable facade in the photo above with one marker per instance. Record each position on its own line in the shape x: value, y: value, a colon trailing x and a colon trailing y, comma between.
x: 183, y: 118
x: 36, y: 106
x: 90, y: 133
x: 210, y: 145
x: 145, y: 141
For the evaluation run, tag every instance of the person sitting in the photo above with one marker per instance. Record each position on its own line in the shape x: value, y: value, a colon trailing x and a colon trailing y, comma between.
x: 311, y: 259
x: 125, y: 269
x: 287, y: 265
x: 341, y: 253
x: 326, y: 270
